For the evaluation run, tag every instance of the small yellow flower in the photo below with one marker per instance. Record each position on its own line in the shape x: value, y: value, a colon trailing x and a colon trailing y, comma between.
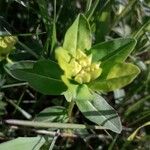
x: 83, y: 70
x: 6, y: 45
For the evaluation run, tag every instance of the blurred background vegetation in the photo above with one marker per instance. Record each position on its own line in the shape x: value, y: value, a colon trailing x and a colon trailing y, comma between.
x: 40, y: 26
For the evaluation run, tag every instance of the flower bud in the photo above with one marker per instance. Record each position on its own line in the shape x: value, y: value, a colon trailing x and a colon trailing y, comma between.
x: 83, y: 62
x: 6, y: 45
x: 78, y: 79
x: 96, y: 73
x: 86, y: 77
x: 76, y: 67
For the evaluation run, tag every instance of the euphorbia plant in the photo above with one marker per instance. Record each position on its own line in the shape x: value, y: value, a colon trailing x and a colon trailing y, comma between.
x: 82, y: 72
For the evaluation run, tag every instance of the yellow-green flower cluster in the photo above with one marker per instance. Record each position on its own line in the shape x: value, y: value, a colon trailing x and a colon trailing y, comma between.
x: 6, y: 45
x: 83, y: 70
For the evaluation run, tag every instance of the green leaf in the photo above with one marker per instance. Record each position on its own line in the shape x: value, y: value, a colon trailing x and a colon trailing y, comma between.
x: 52, y: 114
x: 117, y: 49
x: 96, y: 109
x: 118, y: 56
x: 45, y: 77
x: 23, y: 143
x: 48, y: 68
x: 120, y: 75
x: 26, y: 64
x: 78, y: 36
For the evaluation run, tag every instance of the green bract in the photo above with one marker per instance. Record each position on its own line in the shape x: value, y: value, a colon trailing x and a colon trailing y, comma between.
x: 82, y: 70
x: 6, y: 45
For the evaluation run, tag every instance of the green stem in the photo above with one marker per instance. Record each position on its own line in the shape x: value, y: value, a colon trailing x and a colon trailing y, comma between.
x: 22, y: 111
x: 9, y: 60
x: 140, y: 30
x: 54, y: 140
x: 88, y: 5
x: 92, y: 9
x: 14, y: 85
x: 28, y: 49
x: 19, y: 101
x: 70, y: 109
x: 53, y: 38
x: 37, y: 124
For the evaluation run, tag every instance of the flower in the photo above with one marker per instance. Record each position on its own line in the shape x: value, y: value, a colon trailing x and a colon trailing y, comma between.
x: 6, y: 45
x: 80, y: 67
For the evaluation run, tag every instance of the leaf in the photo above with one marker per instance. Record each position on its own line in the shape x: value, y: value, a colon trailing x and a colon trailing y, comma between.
x: 23, y: 143
x: 78, y: 36
x: 45, y: 77
x: 97, y: 110
x: 26, y: 64
x: 52, y: 114
x: 119, y: 76
x: 131, y: 137
x: 117, y: 56
x: 48, y: 68
x: 118, y: 48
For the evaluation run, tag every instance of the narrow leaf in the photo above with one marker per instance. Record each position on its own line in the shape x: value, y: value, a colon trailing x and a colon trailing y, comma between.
x: 96, y: 109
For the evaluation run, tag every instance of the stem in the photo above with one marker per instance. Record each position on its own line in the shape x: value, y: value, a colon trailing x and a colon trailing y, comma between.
x: 92, y: 9
x: 14, y: 85
x: 22, y: 111
x: 9, y: 60
x: 37, y: 124
x: 140, y: 30
x: 19, y: 101
x: 70, y: 109
x: 28, y: 49
x: 54, y: 140
x: 88, y: 5
x: 53, y: 38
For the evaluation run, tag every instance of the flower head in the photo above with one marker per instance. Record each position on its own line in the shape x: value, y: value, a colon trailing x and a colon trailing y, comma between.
x: 80, y: 67
x: 6, y: 45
